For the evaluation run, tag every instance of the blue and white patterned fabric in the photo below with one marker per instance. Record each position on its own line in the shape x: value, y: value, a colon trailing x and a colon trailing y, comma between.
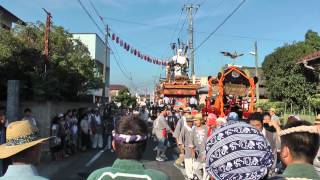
x: 238, y: 151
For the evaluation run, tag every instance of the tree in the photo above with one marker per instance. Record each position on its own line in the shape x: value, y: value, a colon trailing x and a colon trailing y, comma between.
x: 124, y: 97
x: 285, y: 79
x: 70, y: 70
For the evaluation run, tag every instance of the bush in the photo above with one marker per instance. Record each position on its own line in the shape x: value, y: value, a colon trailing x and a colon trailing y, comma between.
x: 315, y: 102
x: 278, y: 105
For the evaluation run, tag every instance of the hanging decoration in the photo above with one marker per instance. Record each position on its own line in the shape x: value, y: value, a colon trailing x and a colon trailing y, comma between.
x: 136, y: 52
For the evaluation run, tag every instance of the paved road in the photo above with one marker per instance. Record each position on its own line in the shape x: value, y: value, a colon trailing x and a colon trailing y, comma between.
x: 73, y: 168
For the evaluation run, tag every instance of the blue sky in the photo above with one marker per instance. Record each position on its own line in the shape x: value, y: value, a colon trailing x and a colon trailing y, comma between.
x: 271, y: 22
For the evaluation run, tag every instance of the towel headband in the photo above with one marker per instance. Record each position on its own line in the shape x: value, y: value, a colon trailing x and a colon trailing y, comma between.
x: 125, y: 138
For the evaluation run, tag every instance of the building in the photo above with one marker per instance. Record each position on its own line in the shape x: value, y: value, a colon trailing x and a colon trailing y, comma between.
x: 262, y: 80
x: 7, y: 18
x: 98, y: 53
x: 311, y: 61
x: 114, y: 89
x: 143, y: 99
x: 203, y: 90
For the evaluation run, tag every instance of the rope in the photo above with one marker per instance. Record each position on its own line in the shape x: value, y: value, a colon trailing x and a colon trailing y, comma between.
x: 308, y: 129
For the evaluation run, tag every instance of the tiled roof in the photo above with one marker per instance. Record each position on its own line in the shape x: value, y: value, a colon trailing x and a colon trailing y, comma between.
x: 310, y: 57
x: 15, y: 19
x: 116, y: 87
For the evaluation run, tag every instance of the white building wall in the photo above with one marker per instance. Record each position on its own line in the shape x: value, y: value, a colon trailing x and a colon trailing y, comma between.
x: 88, y: 40
x: 97, y: 52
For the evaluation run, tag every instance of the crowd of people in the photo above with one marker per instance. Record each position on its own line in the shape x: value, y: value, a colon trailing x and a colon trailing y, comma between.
x: 208, y: 146
x: 203, y: 150
x: 82, y: 130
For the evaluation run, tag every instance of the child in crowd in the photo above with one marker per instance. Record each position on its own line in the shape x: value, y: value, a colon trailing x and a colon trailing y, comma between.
x: 199, y: 136
x: 183, y: 141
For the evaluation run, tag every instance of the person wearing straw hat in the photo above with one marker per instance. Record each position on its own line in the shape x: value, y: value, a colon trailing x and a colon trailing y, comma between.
x: 199, y: 136
x: 183, y: 141
x: 274, y: 117
x: 23, y: 146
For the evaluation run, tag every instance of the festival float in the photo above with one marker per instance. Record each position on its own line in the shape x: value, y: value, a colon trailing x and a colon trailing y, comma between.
x: 235, y: 88
x: 177, y: 85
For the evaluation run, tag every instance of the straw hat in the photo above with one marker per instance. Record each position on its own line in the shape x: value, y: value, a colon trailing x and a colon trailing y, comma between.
x: 272, y: 109
x: 20, y: 135
x: 317, y: 121
x: 198, y: 116
x: 189, y: 117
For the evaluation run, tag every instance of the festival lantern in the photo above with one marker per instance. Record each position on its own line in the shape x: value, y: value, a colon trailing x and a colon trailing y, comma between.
x: 135, y: 52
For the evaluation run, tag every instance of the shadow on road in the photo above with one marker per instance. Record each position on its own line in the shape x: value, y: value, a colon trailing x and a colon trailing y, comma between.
x: 74, y: 167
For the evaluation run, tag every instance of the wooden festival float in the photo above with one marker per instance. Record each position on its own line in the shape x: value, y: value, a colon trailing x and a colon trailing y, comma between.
x: 177, y: 85
x: 234, y: 87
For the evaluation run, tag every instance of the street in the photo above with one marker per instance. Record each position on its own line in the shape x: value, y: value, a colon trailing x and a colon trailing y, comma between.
x: 74, y: 167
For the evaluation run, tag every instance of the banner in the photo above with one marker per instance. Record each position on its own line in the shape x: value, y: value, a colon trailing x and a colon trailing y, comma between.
x: 136, y: 52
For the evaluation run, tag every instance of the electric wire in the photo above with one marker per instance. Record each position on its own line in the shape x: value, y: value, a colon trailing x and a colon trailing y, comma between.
x: 205, y: 32
x: 220, y: 25
x: 89, y: 15
x: 101, y: 31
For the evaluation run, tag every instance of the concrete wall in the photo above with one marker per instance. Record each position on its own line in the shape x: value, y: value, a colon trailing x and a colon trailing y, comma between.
x: 45, y: 111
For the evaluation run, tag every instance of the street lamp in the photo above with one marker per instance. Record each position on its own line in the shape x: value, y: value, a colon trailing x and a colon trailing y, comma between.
x: 252, y: 53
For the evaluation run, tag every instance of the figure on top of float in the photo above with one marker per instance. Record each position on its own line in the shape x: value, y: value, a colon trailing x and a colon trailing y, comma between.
x: 180, y: 63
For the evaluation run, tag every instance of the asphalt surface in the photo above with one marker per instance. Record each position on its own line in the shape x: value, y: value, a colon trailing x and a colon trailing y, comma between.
x: 74, y: 167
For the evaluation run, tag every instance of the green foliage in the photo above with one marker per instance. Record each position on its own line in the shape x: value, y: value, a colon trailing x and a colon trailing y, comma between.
x: 279, y: 106
x: 286, y: 81
x: 125, y: 98
x: 315, y: 102
x: 69, y: 71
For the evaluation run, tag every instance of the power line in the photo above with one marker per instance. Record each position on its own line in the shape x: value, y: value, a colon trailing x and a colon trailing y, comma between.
x: 184, y: 22
x: 98, y: 27
x: 89, y: 15
x: 171, y: 39
x: 116, y: 52
x: 220, y: 25
x: 117, y: 59
x: 176, y: 27
x: 97, y: 13
x: 203, y: 32
x: 202, y: 2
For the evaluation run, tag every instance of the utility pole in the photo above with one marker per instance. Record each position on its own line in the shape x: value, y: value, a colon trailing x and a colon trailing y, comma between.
x: 257, y: 73
x: 46, y: 38
x: 191, y: 9
x: 105, y: 73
